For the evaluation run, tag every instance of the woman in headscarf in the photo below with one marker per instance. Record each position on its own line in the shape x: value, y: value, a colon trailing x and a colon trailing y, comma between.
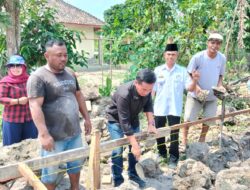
x: 17, y: 123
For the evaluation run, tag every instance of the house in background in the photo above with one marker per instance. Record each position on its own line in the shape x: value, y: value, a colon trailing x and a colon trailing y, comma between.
x: 76, y: 19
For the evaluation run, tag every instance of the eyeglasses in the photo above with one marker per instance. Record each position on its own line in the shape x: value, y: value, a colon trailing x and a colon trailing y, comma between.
x: 14, y: 66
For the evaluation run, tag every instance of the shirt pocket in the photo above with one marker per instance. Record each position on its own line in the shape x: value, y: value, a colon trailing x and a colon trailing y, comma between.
x: 160, y: 81
x: 178, y: 83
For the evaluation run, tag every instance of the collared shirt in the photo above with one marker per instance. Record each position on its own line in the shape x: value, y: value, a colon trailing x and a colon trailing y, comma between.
x: 210, y: 70
x: 14, y: 113
x: 169, y: 88
x: 126, y: 106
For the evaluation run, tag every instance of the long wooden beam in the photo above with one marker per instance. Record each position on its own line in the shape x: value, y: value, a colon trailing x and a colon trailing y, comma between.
x: 11, y: 171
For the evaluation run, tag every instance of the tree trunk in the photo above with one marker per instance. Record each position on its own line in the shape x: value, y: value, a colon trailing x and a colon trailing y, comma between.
x: 13, y: 30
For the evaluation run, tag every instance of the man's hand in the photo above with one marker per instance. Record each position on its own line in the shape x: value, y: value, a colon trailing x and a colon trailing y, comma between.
x: 23, y: 100
x: 88, y: 126
x: 195, y: 75
x: 151, y: 128
x: 47, y: 141
x: 136, y: 151
x: 197, y: 90
x: 220, y: 92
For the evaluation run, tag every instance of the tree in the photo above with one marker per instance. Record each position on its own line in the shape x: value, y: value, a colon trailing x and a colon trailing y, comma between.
x: 13, y: 29
x: 9, y: 30
x: 139, y: 29
x: 38, y: 25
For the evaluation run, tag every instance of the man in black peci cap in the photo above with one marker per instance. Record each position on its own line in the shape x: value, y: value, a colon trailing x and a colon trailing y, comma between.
x: 171, y: 81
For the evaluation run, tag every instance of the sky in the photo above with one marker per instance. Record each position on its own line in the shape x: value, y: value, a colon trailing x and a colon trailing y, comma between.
x: 94, y: 7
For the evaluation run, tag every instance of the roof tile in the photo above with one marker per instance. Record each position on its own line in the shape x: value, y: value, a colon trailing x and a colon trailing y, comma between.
x: 67, y: 13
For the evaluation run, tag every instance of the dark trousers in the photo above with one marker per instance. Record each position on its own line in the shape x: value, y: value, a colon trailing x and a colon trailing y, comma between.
x: 160, y: 121
x: 16, y: 132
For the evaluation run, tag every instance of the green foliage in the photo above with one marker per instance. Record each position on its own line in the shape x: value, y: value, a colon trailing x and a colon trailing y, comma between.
x: 239, y: 103
x: 3, y: 54
x: 4, y: 19
x: 140, y: 29
x: 236, y: 69
x: 107, y: 89
x: 247, y: 29
x: 39, y: 26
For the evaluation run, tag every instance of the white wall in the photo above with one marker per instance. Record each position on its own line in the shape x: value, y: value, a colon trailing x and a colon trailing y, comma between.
x: 87, y: 38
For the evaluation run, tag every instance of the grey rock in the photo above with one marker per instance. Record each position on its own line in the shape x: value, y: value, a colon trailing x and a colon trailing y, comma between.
x: 229, y: 152
x: 90, y: 92
x: 236, y: 178
x: 150, y: 168
x: 197, y: 151
x: 193, y: 174
x: 98, y: 123
x: 99, y: 106
x: 245, y: 146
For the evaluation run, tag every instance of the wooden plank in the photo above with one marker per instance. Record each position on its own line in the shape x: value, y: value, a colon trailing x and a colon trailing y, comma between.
x: 106, y: 179
x: 11, y: 171
x: 31, y: 177
x: 88, y: 105
x: 94, y: 180
x: 187, y: 124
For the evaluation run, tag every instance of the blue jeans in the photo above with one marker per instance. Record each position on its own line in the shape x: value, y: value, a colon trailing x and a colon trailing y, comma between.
x: 117, y: 160
x: 16, y: 132
x: 49, y: 174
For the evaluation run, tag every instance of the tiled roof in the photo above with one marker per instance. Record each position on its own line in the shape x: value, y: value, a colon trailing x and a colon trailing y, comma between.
x: 67, y: 13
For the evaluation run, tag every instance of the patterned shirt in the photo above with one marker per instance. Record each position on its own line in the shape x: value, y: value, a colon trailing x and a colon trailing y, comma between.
x: 14, y: 113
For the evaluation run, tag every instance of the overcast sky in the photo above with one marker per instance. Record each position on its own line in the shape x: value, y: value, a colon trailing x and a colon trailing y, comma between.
x: 94, y: 7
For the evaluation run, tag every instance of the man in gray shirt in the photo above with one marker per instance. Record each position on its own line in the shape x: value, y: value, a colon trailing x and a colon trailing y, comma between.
x: 211, y: 64
x: 55, y: 101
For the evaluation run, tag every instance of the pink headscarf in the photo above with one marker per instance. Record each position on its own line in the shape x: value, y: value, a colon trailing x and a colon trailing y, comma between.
x: 10, y: 78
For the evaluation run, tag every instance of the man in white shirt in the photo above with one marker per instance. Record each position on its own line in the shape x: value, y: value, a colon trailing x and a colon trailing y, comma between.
x: 171, y: 81
x: 210, y: 63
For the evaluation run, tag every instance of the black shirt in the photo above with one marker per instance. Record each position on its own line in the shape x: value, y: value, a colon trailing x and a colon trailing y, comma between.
x: 126, y: 106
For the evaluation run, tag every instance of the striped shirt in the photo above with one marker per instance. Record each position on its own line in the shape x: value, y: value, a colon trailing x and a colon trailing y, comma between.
x: 14, y: 113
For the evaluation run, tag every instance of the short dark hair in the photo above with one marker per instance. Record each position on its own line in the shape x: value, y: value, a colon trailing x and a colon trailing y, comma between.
x: 52, y: 42
x: 146, y: 75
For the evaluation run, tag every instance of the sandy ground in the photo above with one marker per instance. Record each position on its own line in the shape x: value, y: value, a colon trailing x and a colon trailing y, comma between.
x: 27, y: 150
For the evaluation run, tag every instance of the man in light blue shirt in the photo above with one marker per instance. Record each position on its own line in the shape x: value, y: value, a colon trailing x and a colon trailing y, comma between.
x: 171, y: 81
x: 210, y: 63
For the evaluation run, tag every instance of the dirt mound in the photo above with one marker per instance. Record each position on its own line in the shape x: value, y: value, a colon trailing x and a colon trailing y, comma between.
x: 18, y: 152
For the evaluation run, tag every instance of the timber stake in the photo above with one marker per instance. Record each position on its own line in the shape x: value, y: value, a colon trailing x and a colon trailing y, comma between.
x: 94, y: 180
x: 31, y: 177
